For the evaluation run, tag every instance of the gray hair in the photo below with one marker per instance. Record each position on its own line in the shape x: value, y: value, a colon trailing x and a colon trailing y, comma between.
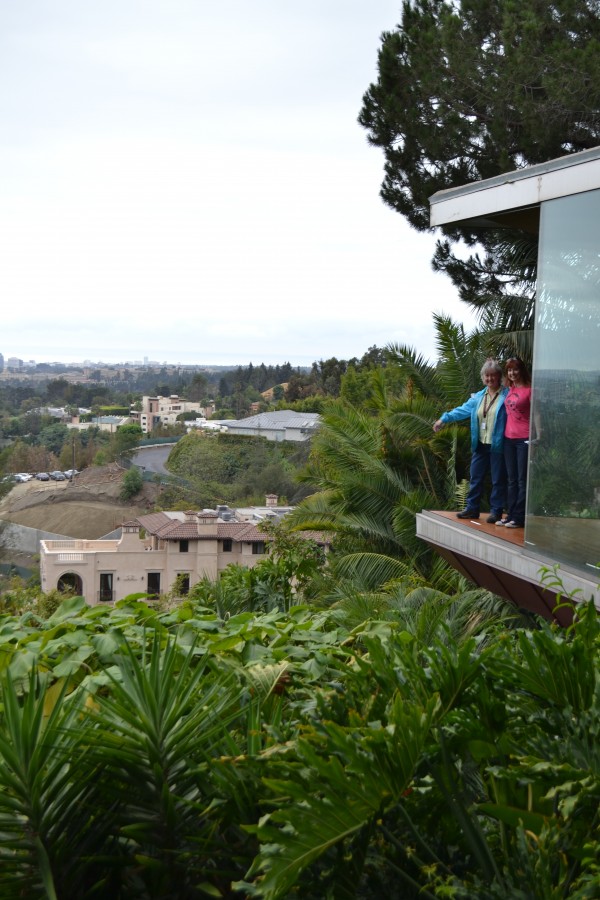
x: 491, y: 365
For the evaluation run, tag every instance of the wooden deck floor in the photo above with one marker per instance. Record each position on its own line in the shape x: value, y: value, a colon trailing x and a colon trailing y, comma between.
x: 513, y: 536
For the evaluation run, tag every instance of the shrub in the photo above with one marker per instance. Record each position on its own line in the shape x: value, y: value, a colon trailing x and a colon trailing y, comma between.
x: 132, y: 483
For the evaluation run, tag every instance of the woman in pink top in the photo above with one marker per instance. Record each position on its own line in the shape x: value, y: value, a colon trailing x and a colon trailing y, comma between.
x: 516, y: 439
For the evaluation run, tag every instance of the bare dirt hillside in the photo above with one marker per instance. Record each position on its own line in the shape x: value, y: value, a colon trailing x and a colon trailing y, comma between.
x: 88, y: 507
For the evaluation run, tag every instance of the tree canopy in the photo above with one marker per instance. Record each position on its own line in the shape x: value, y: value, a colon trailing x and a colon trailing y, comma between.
x: 469, y: 89
x: 472, y: 88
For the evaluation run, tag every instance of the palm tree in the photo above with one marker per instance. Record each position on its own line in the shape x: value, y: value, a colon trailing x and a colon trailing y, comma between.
x: 376, y: 466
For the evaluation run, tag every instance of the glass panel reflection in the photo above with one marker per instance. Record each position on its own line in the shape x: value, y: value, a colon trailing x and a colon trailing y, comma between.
x: 563, y: 501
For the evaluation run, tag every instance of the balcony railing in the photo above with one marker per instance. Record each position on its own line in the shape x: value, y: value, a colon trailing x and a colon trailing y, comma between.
x: 80, y: 545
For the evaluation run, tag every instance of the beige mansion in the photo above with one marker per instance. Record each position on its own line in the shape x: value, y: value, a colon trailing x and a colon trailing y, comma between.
x: 153, y: 553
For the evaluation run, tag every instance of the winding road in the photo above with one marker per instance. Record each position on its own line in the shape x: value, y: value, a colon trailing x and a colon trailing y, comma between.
x: 153, y: 459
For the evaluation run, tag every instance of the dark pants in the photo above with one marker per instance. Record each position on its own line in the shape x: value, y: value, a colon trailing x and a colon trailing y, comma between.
x: 515, y: 456
x: 484, y: 462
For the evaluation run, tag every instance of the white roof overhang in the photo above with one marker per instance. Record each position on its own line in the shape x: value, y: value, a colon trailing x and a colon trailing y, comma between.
x: 503, y: 200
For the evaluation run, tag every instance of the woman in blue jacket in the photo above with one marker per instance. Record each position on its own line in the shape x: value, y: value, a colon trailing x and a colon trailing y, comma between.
x: 487, y: 414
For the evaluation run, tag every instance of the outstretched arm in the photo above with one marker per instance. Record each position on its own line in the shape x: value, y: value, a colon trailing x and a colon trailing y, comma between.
x: 459, y: 414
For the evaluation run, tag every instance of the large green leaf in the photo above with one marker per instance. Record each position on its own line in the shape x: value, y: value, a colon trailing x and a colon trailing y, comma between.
x: 343, y: 780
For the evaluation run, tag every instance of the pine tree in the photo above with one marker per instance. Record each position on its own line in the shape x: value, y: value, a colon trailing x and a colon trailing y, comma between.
x: 469, y: 89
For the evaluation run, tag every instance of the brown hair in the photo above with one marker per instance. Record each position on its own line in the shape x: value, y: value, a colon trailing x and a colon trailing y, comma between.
x: 515, y: 362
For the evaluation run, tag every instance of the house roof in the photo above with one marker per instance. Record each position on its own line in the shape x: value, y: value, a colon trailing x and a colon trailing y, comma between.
x: 180, y: 531
x: 176, y: 526
x: 241, y: 531
x: 153, y: 522
x: 319, y: 537
x: 165, y: 527
x: 276, y: 421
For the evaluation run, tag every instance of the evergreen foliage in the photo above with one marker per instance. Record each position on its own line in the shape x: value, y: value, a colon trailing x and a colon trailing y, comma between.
x: 468, y: 90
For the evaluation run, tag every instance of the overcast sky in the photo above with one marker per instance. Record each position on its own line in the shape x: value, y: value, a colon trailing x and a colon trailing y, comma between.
x: 186, y: 181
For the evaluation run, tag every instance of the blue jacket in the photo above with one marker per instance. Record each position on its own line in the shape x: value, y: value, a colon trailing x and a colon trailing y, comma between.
x: 469, y: 411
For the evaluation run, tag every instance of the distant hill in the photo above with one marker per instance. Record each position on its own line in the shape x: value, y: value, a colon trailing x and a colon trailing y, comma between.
x: 268, y: 394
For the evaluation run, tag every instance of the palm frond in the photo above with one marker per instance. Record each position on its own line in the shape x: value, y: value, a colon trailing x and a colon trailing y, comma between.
x: 417, y: 370
x: 164, y: 719
x: 51, y: 812
x: 461, y: 359
x: 369, y: 570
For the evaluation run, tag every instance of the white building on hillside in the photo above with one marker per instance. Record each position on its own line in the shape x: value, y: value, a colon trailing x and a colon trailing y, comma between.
x: 156, y: 551
x: 159, y: 410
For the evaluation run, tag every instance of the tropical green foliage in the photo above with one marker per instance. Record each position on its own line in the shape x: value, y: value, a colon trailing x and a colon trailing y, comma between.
x: 125, y: 740
x: 177, y: 754
x: 277, y: 582
x: 376, y: 463
x: 443, y: 771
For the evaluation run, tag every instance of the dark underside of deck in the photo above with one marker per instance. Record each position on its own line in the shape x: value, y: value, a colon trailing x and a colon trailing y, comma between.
x: 498, y: 559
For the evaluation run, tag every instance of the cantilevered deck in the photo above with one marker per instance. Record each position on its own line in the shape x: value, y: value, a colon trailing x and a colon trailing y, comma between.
x: 499, y: 560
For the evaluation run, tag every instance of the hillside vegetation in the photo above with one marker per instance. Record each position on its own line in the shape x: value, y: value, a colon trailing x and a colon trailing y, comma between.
x: 226, y: 468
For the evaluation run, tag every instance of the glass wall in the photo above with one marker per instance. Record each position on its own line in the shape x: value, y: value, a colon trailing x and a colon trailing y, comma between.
x: 563, y: 498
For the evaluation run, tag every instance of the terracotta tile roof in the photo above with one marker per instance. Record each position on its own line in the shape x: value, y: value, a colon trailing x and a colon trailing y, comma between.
x: 171, y: 528
x: 241, y: 531
x: 153, y: 522
x: 319, y: 537
x: 183, y: 531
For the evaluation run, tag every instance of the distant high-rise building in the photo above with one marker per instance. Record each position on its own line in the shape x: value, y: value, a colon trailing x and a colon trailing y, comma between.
x: 1, y: 363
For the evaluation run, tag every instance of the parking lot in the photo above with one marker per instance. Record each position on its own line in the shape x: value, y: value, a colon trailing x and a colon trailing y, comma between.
x: 26, y: 477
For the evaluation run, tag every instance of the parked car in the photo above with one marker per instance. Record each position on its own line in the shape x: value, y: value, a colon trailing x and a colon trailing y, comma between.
x: 58, y: 476
x: 42, y: 476
x: 23, y: 476
x: 70, y: 473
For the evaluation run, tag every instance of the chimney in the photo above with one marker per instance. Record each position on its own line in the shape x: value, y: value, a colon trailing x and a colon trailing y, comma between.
x: 207, y: 523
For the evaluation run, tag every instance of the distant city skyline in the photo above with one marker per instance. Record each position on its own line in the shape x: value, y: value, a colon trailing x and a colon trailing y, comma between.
x: 13, y: 361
